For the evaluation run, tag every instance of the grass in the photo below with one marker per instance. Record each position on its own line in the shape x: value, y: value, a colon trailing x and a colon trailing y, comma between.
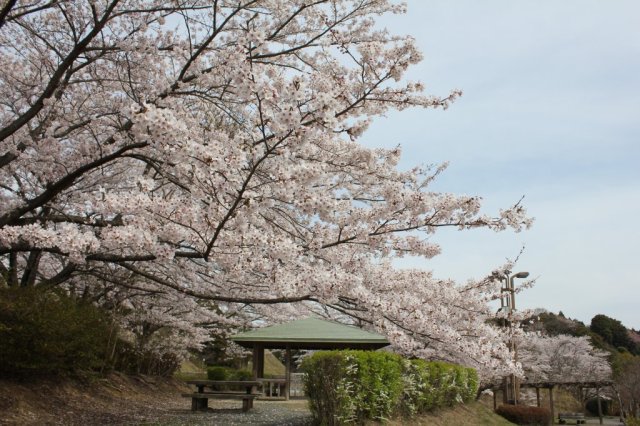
x: 272, y: 365
x: 190, y: 370
x: 472, y: 414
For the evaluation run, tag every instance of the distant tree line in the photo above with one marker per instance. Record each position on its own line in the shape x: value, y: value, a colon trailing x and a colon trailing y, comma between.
x: 605, y: 332
x: 614, y: 333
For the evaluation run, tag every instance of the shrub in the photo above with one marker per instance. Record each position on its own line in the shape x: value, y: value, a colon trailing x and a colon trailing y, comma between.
x: 632, y: 421
x: 241, y: 374
x: 47, y: 332
x: 377, y: 383
x: 430, y: 385
x: 328, y: 388
x: 525, y: 415
x: 218, y: 373
x: 353, y: 386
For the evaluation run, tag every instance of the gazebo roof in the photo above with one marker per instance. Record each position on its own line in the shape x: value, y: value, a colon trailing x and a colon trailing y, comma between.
x: 311, y: 333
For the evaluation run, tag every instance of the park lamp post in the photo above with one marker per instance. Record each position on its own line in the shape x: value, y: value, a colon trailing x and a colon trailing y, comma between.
x: 511, y: 385
x: 512, y: 289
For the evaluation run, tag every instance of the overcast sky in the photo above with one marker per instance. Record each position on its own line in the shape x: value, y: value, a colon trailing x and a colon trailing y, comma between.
x: 551, y: 111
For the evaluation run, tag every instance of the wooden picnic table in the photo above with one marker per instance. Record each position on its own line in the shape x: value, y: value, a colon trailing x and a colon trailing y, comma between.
x: 219, y: 389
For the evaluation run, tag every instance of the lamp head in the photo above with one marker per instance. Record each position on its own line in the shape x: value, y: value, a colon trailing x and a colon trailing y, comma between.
x: 521, y: 275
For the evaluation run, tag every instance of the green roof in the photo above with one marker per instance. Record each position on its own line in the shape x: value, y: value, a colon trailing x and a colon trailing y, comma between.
x: 311, y: 333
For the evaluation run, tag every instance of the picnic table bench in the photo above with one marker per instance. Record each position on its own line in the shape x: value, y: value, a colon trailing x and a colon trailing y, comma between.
x: 578, y: 417
x: 218, y: 389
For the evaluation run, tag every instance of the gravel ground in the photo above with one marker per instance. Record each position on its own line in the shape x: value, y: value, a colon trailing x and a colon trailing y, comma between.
x: 228, y: 413
x: 608, y: 420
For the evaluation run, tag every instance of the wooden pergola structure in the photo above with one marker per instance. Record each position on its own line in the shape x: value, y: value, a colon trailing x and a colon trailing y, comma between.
x: 308, y: 333
x: 551, y: 385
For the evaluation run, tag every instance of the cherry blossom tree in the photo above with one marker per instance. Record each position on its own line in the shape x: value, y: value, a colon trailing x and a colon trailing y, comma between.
x: 563, y: 358
x: 171, y: 153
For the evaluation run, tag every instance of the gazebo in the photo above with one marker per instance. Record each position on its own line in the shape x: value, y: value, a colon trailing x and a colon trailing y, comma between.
x: 307, y: 333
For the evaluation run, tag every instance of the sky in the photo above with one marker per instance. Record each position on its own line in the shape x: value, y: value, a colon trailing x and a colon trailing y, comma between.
x: 551, y: 112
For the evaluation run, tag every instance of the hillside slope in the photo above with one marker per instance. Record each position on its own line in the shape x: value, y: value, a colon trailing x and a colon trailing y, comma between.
x: 117, y: 399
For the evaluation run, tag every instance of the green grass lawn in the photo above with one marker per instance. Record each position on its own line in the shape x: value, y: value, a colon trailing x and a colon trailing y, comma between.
x: 472, y: 414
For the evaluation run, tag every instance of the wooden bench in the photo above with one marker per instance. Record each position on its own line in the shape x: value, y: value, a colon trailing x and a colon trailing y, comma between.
x: 200, y: 398
x: 578, y: 417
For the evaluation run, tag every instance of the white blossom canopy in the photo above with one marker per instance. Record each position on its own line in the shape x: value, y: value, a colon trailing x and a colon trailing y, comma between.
x: 209, y: 150
x: 563, y: 358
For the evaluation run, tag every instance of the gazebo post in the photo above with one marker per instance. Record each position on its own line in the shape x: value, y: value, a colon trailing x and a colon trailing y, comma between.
x: 261, y: 362
x: 538, y: 395
x: 505, y: 391
x: 581, y: 393
x: 553, y: 414
x: 254, y: 361
x: 287, y: 373
x: 258, y: 361
x: 495, y: 399
x: 599, y: 404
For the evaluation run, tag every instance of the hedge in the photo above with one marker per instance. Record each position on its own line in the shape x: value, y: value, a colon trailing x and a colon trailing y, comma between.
x: 354, y: 386
x: 431, y: 385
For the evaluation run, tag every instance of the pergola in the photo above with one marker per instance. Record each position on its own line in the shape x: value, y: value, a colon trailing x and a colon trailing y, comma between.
x: 307, y: 333
x: 551, y: 385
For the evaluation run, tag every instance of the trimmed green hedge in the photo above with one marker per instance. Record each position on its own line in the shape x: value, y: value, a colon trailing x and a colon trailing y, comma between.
x: 353, y: 386
x: 431, y: 385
